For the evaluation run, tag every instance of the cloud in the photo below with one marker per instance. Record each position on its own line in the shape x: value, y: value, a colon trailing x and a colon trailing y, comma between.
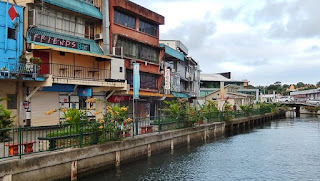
x: 314, y: 48
x: 230, y: 13
x: 263, y: 41
x: 292, y: 20
x: 193, y: 34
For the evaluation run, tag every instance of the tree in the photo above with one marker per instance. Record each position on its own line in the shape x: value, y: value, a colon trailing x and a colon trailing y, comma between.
x: 286, y: 86
x: 300, y: 84
x: 318, y: 84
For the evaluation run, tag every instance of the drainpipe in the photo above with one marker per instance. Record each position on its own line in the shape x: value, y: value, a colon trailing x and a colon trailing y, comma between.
x: 6, y: 35
x: 106, y: 26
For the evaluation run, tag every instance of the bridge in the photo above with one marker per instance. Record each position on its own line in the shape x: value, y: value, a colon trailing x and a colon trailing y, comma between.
x: 298, y: 105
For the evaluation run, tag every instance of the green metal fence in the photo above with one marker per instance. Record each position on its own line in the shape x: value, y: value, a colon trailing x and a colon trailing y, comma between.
x: 21, y: 141
x: 16, y: 142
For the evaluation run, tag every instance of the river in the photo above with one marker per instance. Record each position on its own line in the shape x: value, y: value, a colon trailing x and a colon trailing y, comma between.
x: 287, y: 149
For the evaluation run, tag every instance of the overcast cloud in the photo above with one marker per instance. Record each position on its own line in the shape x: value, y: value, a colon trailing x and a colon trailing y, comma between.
x: 263, y: 41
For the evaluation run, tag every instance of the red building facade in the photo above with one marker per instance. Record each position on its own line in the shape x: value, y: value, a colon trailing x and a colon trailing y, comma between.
x: 134, y: 35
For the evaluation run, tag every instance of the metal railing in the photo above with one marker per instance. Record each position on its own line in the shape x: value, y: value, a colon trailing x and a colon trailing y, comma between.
x: 75, y: 72
x: 27, y: 140
x: 16, y: 142
x: 16, y: 69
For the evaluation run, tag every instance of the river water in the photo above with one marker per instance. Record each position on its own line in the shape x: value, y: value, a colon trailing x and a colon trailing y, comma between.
x: 287, y: 149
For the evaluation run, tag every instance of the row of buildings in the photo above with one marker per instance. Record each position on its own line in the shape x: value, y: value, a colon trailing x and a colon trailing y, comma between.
x: 58, y: 53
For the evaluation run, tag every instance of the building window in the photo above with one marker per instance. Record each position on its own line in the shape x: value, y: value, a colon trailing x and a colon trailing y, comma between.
x: 64, y: 23
x: 11, y: 33
x: 124, y: 19
x: 138, y: 50
x: 89, y: 30
x: 148, y: 28
x: 12, y: 101
x: 147, y: 81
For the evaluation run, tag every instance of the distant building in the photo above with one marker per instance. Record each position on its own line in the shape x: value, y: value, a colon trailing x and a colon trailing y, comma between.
x: 306, y: 94
x: 231, y: 94
x: 184, y: 70
x: 211, y: 82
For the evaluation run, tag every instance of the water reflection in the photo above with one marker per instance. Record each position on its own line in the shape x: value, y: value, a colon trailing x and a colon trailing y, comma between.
x: 286, y: 149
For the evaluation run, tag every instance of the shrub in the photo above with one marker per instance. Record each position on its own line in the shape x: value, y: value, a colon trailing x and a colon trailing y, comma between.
x: 6, y: 121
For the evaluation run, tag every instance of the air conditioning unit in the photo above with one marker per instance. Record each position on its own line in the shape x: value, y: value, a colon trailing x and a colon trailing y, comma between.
x: 117, y: 51
x: 32, y: 17
x: 98, y: 36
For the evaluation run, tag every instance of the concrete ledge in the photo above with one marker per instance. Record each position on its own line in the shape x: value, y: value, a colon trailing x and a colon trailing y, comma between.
x: 57, y: 164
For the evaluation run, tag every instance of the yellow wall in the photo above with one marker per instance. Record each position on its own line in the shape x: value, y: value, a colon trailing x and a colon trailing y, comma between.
x: 9, y: 87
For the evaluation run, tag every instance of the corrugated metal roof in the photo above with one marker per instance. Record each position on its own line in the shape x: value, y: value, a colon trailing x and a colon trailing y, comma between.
x: 217, y: 78
x: 311, y: 91
x: 77, y: 6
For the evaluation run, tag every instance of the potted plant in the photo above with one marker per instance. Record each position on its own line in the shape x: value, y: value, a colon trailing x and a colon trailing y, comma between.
x: 37, y: 61
x: 23, y: 59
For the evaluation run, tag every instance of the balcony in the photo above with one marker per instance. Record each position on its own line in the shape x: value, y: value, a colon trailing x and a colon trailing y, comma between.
x: 79, y: 75
x: 25, y: 71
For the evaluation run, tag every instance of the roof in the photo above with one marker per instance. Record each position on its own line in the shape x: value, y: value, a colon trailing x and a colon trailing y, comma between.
x: 240, y: 94
x: 213, y: 77
x: 77, y: 6
x: 311, y: 91
x: 172, y: 52
x: 217, y: 78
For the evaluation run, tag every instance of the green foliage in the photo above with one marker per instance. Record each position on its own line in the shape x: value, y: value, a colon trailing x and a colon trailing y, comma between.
x: 194, y: 116
x: 210, y: 110
x: 227, y: 112
x: 311, y: 109
x: 37, y: 61
x: 176, y: 109
x: 6, y: 121
x: 22, y: 58
x: 247, y: 109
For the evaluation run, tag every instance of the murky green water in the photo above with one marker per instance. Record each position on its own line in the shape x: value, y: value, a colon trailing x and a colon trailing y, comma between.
x: 285, y: 150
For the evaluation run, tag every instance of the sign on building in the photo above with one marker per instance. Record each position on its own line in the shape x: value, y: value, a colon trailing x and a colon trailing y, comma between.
x: 175, y: 82
x: 167, y: 79
x: 136, y: 80
x: 59, y: 42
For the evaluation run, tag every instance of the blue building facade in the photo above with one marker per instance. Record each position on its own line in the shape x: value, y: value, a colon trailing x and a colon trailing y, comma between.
x: 11, y: 37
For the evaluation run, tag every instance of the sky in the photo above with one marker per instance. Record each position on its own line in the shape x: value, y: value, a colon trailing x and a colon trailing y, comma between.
x: 263, y: 41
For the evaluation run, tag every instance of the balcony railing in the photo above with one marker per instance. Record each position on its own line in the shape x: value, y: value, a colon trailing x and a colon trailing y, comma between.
x: 16, y: 69
x: 75, y: 72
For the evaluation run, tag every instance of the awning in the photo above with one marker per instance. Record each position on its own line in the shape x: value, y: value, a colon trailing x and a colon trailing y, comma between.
x: 59, y: 88
x: 38, y: 46
x: 47, y: 39
x: 181, y: 95
x: 78, y: 7
x: 172, y: 52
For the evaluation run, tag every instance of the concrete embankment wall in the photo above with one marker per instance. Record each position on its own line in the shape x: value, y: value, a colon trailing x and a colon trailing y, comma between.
x: 69, y: 163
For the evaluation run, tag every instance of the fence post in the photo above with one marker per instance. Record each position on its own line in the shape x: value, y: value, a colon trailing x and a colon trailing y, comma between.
x: 137, y: 127
x: 20, y: 141
x: 133, y: 128
x: 80, y: 134
x: 159, y: 125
